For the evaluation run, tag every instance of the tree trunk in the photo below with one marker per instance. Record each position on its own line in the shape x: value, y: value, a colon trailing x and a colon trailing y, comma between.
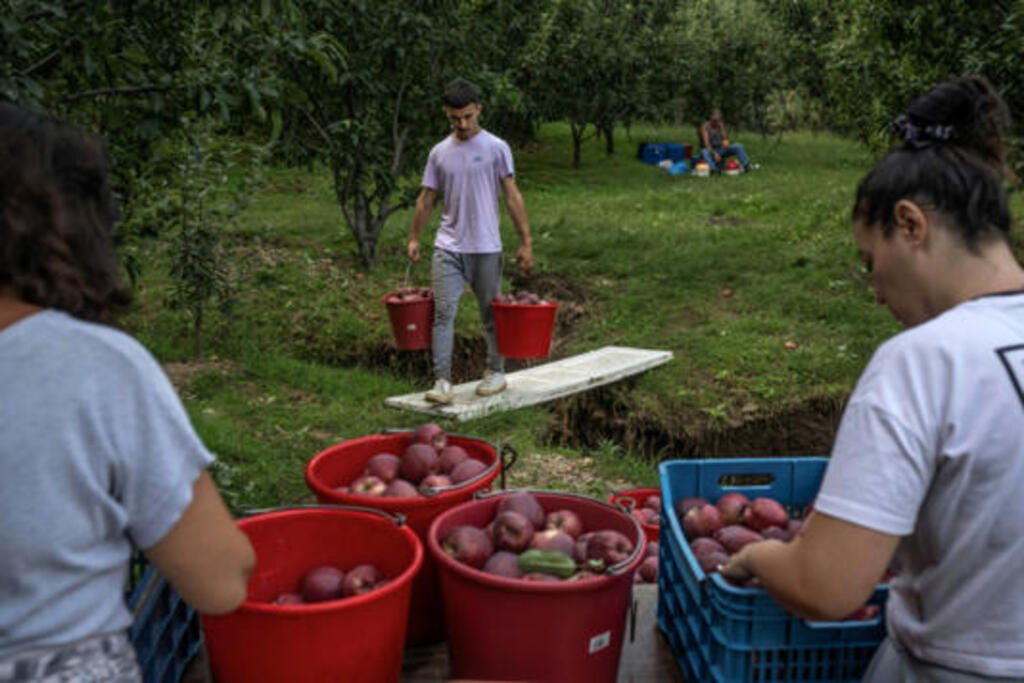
x: 609, y: 139
x: 577, y: 142
x: 197, y: 331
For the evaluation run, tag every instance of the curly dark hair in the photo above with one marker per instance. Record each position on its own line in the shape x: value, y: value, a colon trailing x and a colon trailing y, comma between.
x: 57, y: 212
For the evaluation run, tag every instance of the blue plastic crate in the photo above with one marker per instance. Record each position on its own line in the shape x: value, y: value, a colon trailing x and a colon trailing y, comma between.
x: 165, y: 630
x: 720, y: 632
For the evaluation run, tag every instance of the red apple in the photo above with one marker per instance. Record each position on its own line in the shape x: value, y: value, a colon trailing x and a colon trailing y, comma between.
x: 731, y: 506
x: 702, y: 520
x: 776, y: 533
x: 512, y: 531
x: 579, y: 551
x: 369, y: 485
x: 288, y: 599
x: 451, y: 456
x: 400, y: 488
x: 384, y: 466
x: 683, y: 506
x: 430, y: 433
x: 553, y: 539
x: 653, y: 502
x: 646, y: 516
x: 469, y: 545
x: 418, y: 461
x: 712, y: 561
x: 651, y: 549
x: 702, y: 546
x: 360, y: 579
x: 763, y: 513
x: 466, y: 470
x: 794, y: 528
x: 435, y: 481
x: 525, y: 504
x: 735, y: 537
x: 648, y: 570
x: 503, y: 563
x: 564, y: 520
x: 322, y: 583
x: 609, y: 547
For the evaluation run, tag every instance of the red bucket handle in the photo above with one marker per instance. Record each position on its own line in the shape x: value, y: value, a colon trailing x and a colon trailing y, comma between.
x: 398, y: 518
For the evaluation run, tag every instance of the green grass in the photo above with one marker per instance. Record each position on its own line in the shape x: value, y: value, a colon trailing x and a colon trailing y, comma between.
x: 283, y: 378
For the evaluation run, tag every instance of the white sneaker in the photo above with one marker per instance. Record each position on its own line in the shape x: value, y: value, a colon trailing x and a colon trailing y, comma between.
x: 441, y: 392
x: 492, y: 383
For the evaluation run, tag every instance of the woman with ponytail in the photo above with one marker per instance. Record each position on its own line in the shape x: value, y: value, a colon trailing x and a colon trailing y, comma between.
x: 926, y: 474
x: 97, y: 454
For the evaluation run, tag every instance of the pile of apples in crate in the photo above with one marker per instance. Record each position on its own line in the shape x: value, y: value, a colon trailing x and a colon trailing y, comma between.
x: 428, y: 462
x: 524, y: 542
x: 719, y: 530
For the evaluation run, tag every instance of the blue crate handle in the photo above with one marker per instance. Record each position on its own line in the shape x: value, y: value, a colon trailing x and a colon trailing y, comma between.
x: 398, y: 518
x: 617, y: 568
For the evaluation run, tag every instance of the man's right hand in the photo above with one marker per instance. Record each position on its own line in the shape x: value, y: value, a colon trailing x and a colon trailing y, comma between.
x: 413, y: 250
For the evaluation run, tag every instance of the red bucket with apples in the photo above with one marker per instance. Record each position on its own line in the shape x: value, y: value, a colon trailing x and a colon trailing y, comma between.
x: 331, y: 471
x: 644, y: 504
x: 524, y: 325
x: 502, y: 626
x: 411, y: 311
x: 328, y: 600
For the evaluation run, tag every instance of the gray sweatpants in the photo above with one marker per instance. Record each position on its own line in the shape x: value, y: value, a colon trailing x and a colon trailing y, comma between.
x: 450, y: 272
x: 893, y: 664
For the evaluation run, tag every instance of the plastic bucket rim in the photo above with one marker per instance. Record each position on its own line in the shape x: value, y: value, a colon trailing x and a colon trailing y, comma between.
x: 562, y: 586
x: 397, y: 583
x: 545, y: 304
x: 408, y: 502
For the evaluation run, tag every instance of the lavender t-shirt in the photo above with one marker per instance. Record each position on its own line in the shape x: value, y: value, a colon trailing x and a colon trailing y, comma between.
x: 469, y: 173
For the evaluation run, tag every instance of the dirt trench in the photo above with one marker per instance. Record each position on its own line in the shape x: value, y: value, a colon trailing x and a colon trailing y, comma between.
x: 607, y: 414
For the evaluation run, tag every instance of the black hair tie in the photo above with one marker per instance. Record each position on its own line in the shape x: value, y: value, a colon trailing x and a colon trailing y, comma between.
x: 919, y: 137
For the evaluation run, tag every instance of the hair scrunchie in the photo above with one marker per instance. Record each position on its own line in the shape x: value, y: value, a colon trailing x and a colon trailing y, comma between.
x: 919, y: 137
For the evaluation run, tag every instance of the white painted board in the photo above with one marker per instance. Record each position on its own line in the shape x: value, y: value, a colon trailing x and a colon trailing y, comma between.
x: 540, y: 383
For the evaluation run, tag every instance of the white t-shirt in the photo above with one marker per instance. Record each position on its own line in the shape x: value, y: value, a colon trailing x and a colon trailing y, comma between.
x: 96, y: 452
x: 931, y: 448
x: 469, y: 174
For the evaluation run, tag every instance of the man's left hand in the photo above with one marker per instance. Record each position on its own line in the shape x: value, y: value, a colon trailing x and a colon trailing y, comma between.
x: 524, y: 257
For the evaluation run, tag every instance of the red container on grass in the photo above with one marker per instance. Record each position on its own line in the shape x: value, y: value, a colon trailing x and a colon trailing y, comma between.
x: 524, y: 330
x: 558, y: 631
x: 343, y: 462
x: 634, y: 498
x: 358, y: 639
x: 411, y: 312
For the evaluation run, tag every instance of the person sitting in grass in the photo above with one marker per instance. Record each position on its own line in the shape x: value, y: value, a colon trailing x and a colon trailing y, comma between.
x: 97, y: 454
x: 469, y: 167
x: 928, y: 462
x: 715, y: 144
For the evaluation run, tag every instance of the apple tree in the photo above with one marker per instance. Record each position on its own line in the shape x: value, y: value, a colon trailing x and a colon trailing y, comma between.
x: 362, y: 93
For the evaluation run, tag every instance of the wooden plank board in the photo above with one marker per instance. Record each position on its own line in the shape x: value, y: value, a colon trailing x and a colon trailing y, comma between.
x: 540, y: 383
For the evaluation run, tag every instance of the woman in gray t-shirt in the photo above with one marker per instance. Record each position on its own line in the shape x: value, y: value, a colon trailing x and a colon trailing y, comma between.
x: 97, y: 453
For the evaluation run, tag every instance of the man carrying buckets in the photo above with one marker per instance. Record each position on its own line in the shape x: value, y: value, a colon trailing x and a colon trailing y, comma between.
x: 469, y: 167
